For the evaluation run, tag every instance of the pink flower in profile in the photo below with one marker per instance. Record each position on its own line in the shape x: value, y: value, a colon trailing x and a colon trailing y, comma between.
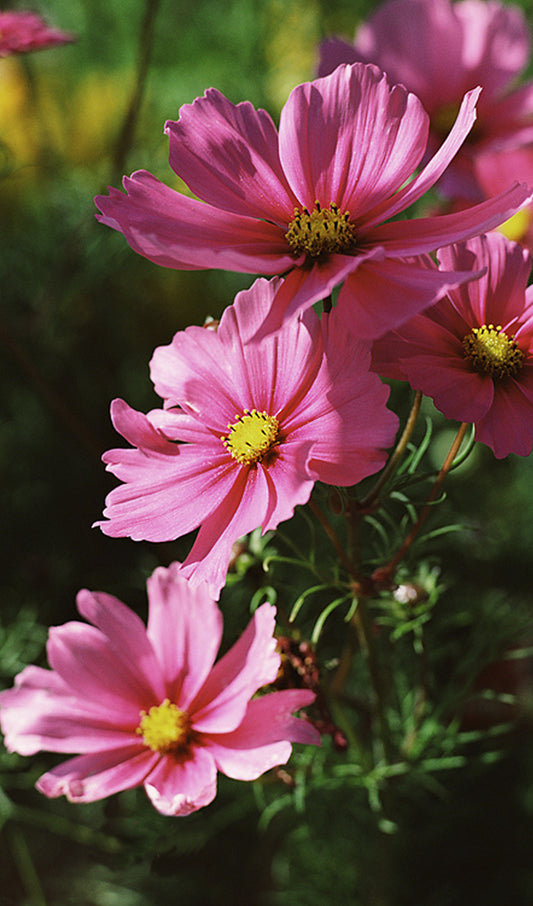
x: 246, y: 430
x: 311, y: 201
x: 472, y: 352
x: 22, y: 32
x: 439, y: 50
x: 148, y: 706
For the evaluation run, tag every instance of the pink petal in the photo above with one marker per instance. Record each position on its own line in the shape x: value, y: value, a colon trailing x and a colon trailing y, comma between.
x: 433, y: 169
x: 22, y: 32
x: 185, y: 629
x: 176, y: 231
x: 263, y: 738
x: 176, y: 425
x: 168, y: 497
x: 137, y: 429
x: 380, y: 296
x: 243, y: 508
x: 228, y: 156
x: 304, y: 286
x: 458, y: 392
x: 84, y: 658
x: 288, y: 483
x: 34, y: 721
x: 351, y: 139
x: 248, y: 763
x: 526, y: 322
x: 495, y: 42
x: 508, y: 425
x: 256, y: 367
x: 192, y: 371
x: 127, y: 637
x: 179, y: 788
x: 343, y: 415
x: 411, y: 237
x: 250, y: 663
x: 508, y: 120
x: 419, y: 43
x: 496, y: 168
x: 88, y: 778
x: 498, y: 296
x: 202, y: 366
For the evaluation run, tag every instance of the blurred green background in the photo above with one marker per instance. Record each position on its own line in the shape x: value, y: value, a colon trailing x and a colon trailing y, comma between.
x: 80, y: 316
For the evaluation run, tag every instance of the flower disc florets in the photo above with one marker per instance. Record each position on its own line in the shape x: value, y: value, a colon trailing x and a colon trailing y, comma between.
x: 252, y: 436
x: 164, y: 728
x: 490, y: 350
x: 321, y: 232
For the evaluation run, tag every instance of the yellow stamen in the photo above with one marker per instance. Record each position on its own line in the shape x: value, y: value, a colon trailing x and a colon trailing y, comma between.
x: 252, y: 436
x: 165, y: 728
x: 321, y: 232
x: 490, y: 350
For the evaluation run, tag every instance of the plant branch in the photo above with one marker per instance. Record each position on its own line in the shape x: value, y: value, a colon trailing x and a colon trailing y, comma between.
x: 127, y: 132
x: 398, y: 453
x: 383, y: 576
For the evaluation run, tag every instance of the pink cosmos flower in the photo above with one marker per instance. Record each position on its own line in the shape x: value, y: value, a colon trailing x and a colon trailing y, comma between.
x: 310, y: 202
x: 472, y: 352
x: 21, y: 32
x: 494, y: 171
x: 440, y: 50
x: 145, y: 705
x: 245, y: 432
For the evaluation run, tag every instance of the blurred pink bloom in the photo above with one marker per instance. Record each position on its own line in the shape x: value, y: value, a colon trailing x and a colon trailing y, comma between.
x: 440, y: 50
x: 145, y: 705
x: 311, y: 201
x: 495, y: 170
x: 21, y: 32
x: 246, y: 430
x: 472, y: 352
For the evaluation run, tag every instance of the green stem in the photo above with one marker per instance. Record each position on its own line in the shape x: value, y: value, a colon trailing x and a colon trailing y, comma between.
x: 361, y: 628
x: 334, y: 538
x: 367, y: 502
x: 127, y: 133
x: 383, y: 576
x: 366, y: 635
x: 25, y: 867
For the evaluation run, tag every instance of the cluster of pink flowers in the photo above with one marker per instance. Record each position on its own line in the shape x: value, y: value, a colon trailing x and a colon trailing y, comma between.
x: 278, y: 397
x: 439, y: 50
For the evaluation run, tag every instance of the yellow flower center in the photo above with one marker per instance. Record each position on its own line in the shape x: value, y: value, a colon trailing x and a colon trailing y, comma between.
x: 516, y: 227
x: 490, y: 350
x: 321, y: 232
x: 165, y: 728
x: 252, y: 436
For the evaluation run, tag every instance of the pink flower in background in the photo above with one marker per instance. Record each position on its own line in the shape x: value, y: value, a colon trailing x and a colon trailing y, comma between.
x: 22, y: 32
x: 245, y: 432
x: 472, y: 352
x: 310, y: 202
x: 494, y: 171
x: 145, y: 705
x: 440, y: 50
